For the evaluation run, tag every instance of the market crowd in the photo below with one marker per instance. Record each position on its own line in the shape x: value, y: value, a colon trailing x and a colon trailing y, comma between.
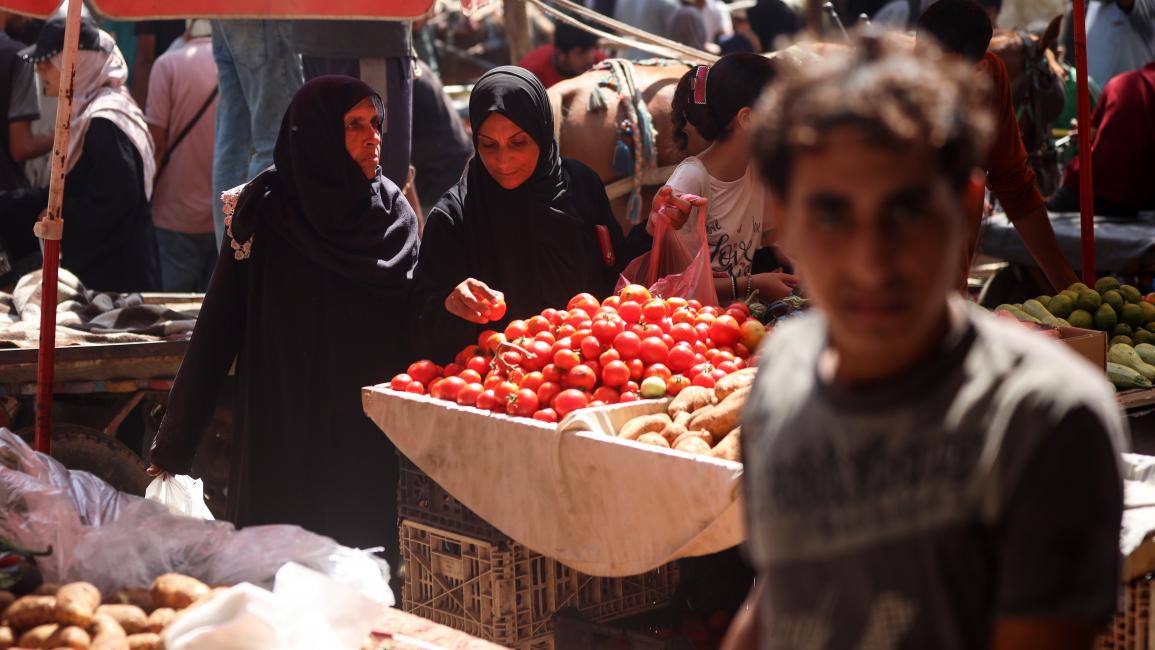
x: 917, y: 474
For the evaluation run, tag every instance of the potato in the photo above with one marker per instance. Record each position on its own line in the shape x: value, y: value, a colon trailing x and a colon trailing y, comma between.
x: 730, y: 448
x: 38, y: 636
x: 7, y: 637
x: 682, y: 417
x: 146, y: 641
x: 656, y: 439
x: 47, y: 589
x: 643, y: 424
x: 30, y: 611
x: 107, y: 634
x: 691, y: 399
x: 704, y: 436
x: 6, y: 599
x: 693, y: 445
x: 160, y: 619
x: 734, y: 381
x: 177, y: 591
x: 139, y: 596
x: 721, y: 418
x: 76, y: 603
x: 69, y: 637
x: 672, y: 431
x: 130, y: 617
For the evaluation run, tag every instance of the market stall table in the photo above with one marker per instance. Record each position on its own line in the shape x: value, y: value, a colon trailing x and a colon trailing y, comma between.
x: 1121, y: 245
x: 409, y: 632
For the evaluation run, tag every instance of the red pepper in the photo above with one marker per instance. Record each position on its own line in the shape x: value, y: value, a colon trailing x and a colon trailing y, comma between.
x: 606, y: 244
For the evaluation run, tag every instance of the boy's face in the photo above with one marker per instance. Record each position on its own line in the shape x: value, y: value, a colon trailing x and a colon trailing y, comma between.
x: 877, y: 236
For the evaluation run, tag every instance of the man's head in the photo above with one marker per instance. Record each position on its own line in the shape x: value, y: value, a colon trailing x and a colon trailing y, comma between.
x: 871, y: 158
x: 960, y: 27
x: 575, y: 50
x: 993, y: 9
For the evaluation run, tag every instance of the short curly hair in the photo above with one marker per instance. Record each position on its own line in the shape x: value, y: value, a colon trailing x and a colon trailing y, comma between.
x: 896, y: 96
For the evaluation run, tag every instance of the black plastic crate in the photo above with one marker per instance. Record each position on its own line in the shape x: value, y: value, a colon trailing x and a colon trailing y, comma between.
x: 422, y: 500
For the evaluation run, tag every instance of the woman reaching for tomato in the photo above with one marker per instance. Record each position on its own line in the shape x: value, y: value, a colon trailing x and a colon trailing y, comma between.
x: 524, y: 227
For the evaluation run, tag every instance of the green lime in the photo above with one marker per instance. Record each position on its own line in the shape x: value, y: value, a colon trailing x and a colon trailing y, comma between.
x: 1132, y: 315
x: 1078, y: 287
x: 1126, y: 340
x: 1081, y: 318
x: 1089, y: 300
x: 1106, y: 318
x: 1115, y: 299
x: 1043, y: 300
x: 1061, y: 306
x: 1130, y: 293
x: 1106, y: 284
x: 1122, y: 329
x: 1148, y: 311
x: 1143, y: 336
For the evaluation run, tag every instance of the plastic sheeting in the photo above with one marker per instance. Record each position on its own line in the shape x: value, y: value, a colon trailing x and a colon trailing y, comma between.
x: 600, y: 505
x: 116, y: 540
x: 1121, y: 245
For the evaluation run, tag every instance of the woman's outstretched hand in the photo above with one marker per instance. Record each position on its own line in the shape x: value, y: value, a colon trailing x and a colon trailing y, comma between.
x: 474, y: 301
x: 155, y: 472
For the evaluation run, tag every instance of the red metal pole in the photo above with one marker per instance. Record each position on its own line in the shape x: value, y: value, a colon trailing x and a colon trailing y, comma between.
x: 1083, y: 106
x: 50, y: 229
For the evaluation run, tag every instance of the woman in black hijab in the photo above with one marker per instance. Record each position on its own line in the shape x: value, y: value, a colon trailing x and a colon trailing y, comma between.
x: 308, y: 297
x: 523, y: 223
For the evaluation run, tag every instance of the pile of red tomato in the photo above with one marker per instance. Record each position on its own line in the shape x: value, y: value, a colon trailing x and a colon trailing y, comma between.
x: 630, y: 346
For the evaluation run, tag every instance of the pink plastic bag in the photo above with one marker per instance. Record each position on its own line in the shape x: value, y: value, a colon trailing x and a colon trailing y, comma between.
x: 670, y: 269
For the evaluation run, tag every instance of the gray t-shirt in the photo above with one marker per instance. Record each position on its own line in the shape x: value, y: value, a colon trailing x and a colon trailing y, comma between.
x: 983, y: 483
x: 1119, y: 41
x: 23, y: 103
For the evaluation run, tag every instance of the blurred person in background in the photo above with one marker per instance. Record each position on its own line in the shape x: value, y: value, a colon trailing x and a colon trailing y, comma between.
x: 772, y: 20
x: 1120, y: 37
x: 181, y: 115
x: 153, y: 39
x: 441, y: 146
x: 688, y: 25
x: 19, y: 106
x: 573, y: 51
x: 652, y: 16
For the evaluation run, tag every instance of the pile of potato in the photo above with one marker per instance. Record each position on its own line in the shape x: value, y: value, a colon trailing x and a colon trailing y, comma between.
x: 698, y: 420
x: 76, y: 616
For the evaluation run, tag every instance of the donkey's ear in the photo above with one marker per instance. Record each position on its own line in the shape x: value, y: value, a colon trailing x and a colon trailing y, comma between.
x: 1051, y: 36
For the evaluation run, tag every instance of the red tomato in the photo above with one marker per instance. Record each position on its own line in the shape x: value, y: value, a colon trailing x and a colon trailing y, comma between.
x: 423, y: 371
x: 542, y: 354
x: 546, y: 415
x: 694, y: 304
x: 595, y: 366
x: 741, y: 351
x: 565, y: 331
x: 537, y: 325
x: 653, y: 350
x: 467, y: 353
x: 400, y: 382
x: 492, y: 380
x: 415, y: 387
x: 484, y: 337
x: 630, y: 311
x: 636, y: 293
x: 667, y: 324
x: 469, y: 394
x: 705, y: 380
x: 450, y: 387
x: 581, y: 377
x: 728, y: 367
x: 516, y: 329
x: 718, y: 374
x: 551, y: 373
x: 515, y: 375
x: 478, y: 364
x: 579, y: 336
x: 566, y: 360
x: 606, y: 329
x: 608, y: 356
x: 739, y: 306
x: 591, y: 348
x: 676, y: 384
x: 628, y: 344
x: 487, y: 400
x: 569, y: 401
x: 651, y: 329
x: 655, y: 310
x: 637, y: 369
x: 577, y: 317
x: 523, y: 403
x: 683, y: 316
x: 532, y: 381
x: 668, y: 340
x: 612, y: 302
x: 683, y: 332
x: 584, y: 301
x: 496, y: 310
x: 547, y: 391
x: 698, y: 369
x: 491, y: 344
x: 658, y: 370
x: 452, y: 369
x: 726, y: 350
x: 615, y: 373
x: 631, y: 396
x: 677, y: 302
x: 549, y: 314
x: 511, y: 357
x: 681, y: 358
x: 631, y: 387
x: 737, y: 314
x: 545, y: 337
x: 606, y: 394
x: 504, y: 391
x: 713, y: 310
x: 470, y: 376
x: 703, y: 330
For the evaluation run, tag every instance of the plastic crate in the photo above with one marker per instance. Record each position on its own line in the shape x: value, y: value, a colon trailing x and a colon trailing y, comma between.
x: 420, y: 499
x: 507, y: 594
x: 1130, y: 627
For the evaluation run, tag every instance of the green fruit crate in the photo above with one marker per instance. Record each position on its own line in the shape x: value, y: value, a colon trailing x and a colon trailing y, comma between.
x: 505, y: 593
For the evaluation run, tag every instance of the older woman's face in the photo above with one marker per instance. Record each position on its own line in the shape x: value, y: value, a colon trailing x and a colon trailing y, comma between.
x: 508, y: 153
x: 362, y: 139
x: 51, y: 75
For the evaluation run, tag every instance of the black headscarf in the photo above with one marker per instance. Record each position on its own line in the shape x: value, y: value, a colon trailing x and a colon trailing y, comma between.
x: 362, y: 229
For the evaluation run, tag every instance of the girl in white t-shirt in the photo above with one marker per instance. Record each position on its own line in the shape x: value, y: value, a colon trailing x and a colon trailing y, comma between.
x: 719, y: 184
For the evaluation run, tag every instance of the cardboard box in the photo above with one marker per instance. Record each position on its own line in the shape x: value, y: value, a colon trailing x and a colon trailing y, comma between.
x: 1089, y: 344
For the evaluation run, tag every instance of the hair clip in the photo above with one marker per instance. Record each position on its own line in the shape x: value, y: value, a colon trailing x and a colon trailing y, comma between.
x: 701, y: 74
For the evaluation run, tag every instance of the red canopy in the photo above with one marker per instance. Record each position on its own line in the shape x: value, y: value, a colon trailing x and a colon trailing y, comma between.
x: 148, y: 9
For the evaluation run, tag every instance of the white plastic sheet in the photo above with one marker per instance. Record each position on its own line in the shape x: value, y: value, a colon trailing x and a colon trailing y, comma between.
x: 603, y: 506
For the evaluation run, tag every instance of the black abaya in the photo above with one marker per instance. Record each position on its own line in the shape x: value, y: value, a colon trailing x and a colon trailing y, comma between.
x: 315, y: 313
x: 537, y: 243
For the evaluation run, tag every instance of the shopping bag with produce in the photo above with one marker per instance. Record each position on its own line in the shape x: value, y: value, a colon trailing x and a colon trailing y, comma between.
x: 672, y: 269
x: 182, y: 495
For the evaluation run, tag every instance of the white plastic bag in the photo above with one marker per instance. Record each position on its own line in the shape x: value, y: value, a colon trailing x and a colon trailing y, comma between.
x: 182, y: 495
x: 305, y: 610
